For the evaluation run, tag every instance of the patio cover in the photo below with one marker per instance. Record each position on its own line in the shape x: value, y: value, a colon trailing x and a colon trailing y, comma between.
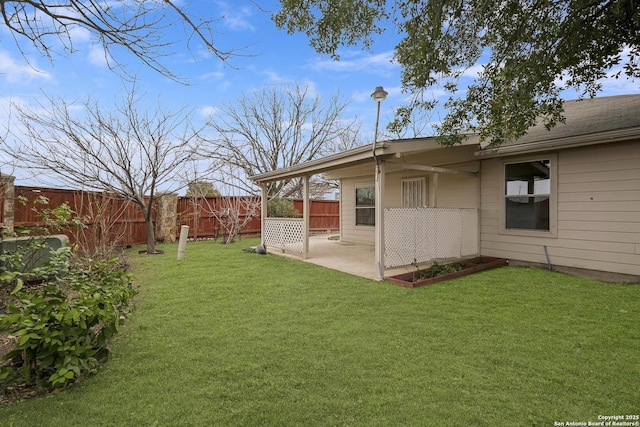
x: 385, y: 156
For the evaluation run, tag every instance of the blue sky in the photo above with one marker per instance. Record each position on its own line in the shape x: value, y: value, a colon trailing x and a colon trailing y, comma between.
x: 273, y: 57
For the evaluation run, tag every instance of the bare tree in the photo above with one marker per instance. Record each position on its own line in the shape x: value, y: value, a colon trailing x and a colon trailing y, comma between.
x: 102, y: 214
x: 199, y: 191
x: 416, y: 123
x: 129, y: 152
x: 135, y: 26
x: 276, y: 127
x: 233, y: 213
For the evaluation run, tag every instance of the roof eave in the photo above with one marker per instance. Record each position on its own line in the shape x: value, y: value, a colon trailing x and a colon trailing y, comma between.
x: 562, y: 143
x: 313, y: 167
x: 384, y: 149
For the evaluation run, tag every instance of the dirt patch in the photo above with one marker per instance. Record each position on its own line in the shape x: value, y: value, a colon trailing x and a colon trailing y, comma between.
x: 13, y: 393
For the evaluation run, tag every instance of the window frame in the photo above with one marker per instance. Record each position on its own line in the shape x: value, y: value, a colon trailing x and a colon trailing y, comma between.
x: 371, y: 207
x: 553, y: 197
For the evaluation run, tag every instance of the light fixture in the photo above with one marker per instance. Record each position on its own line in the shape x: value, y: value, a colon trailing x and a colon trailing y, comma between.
x: 379, y: 94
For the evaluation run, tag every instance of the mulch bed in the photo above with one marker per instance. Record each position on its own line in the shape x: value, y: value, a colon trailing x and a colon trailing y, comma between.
x: 470, y: 266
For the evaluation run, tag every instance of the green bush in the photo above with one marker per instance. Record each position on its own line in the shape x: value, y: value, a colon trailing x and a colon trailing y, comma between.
x: 282, y: 208
x: 62, y: 325
x: 20, y: 262
x: 61, y: 313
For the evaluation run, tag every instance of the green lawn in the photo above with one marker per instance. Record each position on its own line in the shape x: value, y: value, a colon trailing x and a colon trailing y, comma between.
x: 231, y: 338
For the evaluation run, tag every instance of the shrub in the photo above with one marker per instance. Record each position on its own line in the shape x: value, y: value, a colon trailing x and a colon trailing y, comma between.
x: 60, y: 313
x: 282, y: 208
x: 20, y: 263
x: 62, y: 326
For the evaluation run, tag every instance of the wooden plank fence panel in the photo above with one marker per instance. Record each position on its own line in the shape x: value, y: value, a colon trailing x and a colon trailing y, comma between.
x: 109, y: 217
x: 121, y: 220
x: 201, y: 215
x: 324, y: 215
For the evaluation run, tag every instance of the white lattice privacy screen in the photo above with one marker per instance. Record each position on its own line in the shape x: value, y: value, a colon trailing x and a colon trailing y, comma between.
x: 286, y: 234
x: 425, y: 234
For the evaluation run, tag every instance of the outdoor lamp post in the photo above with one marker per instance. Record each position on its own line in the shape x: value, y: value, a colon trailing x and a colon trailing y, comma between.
x: 379, y: 95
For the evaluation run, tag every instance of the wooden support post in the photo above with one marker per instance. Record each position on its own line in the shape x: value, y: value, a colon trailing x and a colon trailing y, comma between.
x: 263, y: 211
x: 306, y: 214
x: 379, y: 205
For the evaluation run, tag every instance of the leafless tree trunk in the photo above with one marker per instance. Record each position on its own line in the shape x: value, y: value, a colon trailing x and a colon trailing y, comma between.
x: 134, y: 26
x: 129, y: 152
x: 278, y: 127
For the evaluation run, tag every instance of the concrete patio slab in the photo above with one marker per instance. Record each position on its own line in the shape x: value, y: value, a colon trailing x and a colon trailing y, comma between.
x: 351, y: 258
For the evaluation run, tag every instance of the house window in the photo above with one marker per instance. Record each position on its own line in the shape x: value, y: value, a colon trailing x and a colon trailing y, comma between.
x: 414, y: 193
x: 527, y: 191
x: 365, y: 206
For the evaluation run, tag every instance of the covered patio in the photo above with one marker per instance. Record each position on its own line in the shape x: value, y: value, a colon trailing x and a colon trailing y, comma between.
x: 439, y: 221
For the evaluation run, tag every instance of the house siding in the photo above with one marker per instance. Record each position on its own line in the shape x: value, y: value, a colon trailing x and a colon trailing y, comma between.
x: 349, y: 232
x: 454, y: 191
x: 598, y: 211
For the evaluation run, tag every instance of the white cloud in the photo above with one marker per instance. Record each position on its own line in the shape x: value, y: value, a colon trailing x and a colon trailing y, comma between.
x: 15, y: 72
x: 351, y: 63
x: 97, y: 56
x: 623, y: 84
x: 5, y: 112
x: 213, y: 75
x: 616, y: 82
x: 217, y: 77
x: 79, y: 35
x: 474, y: 71
x: 236, y: 18
x: 619, y: 86
x: 275, y: 78
x: 223, y: 86
x: 208, y: 110
x: 9, y: 126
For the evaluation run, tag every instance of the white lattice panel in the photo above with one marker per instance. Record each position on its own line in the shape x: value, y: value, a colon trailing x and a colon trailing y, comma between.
x: 424, y: 234
x: 286, y: 234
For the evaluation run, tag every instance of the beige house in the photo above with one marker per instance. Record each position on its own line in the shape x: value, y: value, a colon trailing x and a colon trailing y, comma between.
x: 566, y: 198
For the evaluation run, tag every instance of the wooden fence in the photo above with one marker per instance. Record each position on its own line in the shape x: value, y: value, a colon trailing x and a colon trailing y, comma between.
x: 120, y: 221
x: 108, y: 217
x: 202, y: 214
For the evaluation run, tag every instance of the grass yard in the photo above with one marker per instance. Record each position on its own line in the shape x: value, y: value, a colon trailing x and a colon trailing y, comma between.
x: 227, y: 338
